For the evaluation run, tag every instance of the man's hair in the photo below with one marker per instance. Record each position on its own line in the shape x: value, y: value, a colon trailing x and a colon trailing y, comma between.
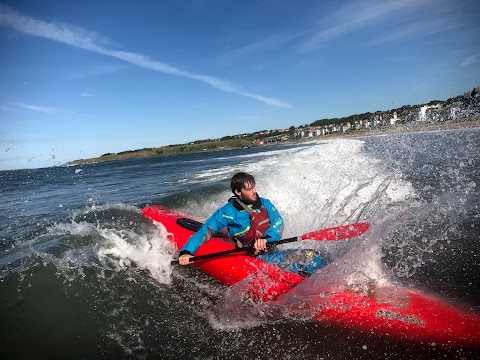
x: 239, y: 180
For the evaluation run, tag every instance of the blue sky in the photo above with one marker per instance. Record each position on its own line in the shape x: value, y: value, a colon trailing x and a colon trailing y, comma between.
x: 82, y: 78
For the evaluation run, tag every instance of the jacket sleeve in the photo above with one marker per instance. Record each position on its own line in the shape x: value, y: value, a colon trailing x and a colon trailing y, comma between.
x: 214, y: 223
x: 274, y: 232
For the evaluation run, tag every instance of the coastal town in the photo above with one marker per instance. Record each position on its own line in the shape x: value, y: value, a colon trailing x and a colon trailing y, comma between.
x: 462, y: 108
x: 460, y: 111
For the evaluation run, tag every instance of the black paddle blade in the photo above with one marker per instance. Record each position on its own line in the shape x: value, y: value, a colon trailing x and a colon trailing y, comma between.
x: 189, y: 224
x: 194, y: 226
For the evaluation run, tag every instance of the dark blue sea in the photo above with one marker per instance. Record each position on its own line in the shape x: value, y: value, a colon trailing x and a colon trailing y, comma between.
x: 84, y: 276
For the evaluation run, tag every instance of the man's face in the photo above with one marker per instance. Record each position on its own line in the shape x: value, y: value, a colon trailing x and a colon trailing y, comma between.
x: 248, y: 194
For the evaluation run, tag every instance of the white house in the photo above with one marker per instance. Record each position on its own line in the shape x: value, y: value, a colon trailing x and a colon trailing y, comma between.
x: 394, y: 119
x: 423, y: 111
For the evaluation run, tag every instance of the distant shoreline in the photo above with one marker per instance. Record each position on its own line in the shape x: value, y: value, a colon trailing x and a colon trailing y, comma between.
x: 410, y: 128
x: 247, y: 142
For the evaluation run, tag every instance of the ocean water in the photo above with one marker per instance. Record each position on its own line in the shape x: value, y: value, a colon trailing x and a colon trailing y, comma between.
x: 83, y: 275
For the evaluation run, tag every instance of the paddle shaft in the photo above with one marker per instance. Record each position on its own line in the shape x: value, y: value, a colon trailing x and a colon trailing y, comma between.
x: 336, y: 233
x: 237, y: 250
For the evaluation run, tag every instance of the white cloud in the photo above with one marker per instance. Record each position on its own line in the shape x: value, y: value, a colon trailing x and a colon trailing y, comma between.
x: 264, y: 44
x: 86, y: 94
x: 415, y: 29
x: 96, y: 70
x: 92, y: 42
x: 471, y: 60
x: 357, y: 15
x: 41, y: 109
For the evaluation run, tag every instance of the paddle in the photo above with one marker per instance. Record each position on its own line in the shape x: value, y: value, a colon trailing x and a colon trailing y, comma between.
x: 336, y: 233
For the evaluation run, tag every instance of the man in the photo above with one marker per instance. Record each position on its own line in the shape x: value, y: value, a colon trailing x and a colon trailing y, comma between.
x: 252, y: 221
x: 249, y: 219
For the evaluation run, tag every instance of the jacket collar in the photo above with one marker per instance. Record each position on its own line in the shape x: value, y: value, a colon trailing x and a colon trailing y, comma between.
x: 256, y: 205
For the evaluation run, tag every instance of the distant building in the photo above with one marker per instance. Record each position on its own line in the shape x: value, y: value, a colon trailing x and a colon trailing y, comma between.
x: 394, y: 119
x: 423, y: 111
x: 453, y: 113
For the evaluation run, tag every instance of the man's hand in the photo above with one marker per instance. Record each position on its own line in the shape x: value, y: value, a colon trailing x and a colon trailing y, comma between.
x: 260, y: 244
x: 185, y: 259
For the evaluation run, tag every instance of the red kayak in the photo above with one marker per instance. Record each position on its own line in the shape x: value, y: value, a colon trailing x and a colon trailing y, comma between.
x: 416, y: 317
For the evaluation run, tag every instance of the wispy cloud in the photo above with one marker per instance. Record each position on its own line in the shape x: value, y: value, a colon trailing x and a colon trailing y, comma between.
x: 97, y: 70
x: 92, y: 42
x: 471, y: 60
x: 264, y: 44
x: 36, y: 108
x: 415, y: 29
x: 358, y: 15
x: 86, y: 94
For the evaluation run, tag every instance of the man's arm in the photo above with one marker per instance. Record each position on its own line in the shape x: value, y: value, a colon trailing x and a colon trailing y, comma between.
x: 214, y: 223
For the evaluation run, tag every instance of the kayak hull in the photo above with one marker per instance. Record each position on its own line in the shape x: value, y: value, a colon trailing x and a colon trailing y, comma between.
x: 416, y: 317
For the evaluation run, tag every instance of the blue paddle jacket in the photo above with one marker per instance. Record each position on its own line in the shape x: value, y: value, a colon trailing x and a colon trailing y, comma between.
x: 237, y: 221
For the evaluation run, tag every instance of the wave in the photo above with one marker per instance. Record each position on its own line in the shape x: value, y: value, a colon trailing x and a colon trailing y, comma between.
x: 110, y: 236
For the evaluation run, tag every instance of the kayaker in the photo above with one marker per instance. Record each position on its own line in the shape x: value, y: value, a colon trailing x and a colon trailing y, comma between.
x: 251, y: 220
x: 247, y: 217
